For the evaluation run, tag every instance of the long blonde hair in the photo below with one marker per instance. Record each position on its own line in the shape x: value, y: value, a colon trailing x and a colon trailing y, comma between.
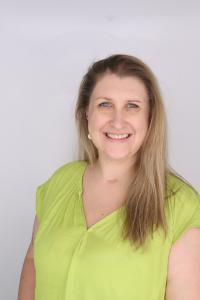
x: 146, y: 196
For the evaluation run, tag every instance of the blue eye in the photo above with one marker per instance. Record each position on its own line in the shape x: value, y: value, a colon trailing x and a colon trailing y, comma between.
x: 132, y: 105
x: 104, y: 104
x: 108, y: 105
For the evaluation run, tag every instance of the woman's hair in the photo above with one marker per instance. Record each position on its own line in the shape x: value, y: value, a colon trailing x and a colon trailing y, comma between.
x: 146, y: 195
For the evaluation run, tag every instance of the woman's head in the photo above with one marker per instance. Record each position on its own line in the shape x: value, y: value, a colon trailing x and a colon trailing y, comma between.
x: 127, y: 79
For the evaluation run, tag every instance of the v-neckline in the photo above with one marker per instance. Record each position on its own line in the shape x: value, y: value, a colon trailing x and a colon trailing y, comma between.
x: 83, y: 215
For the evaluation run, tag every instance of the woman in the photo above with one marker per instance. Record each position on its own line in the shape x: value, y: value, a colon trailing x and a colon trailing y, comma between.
x: 117, y: 224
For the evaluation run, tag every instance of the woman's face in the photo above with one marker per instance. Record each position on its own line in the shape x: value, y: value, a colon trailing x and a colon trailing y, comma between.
x: 118, y: 116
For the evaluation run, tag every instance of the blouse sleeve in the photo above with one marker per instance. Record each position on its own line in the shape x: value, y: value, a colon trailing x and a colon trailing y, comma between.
x: 186, y: 213
x: 41, y: 193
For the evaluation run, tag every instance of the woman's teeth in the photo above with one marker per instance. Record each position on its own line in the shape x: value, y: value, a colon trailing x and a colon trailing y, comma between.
x: 117, y: 136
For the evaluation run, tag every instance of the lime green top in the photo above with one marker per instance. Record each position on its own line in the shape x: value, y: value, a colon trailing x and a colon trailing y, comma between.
x: 73, y: 262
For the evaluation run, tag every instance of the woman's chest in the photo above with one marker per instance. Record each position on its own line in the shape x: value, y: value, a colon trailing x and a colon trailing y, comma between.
x: 98, y: 261
x: 100, y: 201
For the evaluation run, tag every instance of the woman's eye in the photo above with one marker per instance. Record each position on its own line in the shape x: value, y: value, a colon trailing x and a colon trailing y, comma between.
x: 132, y: 105
x: 104, y: 104
x: 108, y: 104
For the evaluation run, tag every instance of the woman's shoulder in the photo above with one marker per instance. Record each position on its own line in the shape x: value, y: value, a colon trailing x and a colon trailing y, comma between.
x: 183, y: 205
x: 69, y: 168
x: 64, y: 174
x: 64, y: 180
x: 178, y: 188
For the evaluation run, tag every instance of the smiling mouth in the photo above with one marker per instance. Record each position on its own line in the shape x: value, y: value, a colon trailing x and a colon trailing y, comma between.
x: 113, y: 136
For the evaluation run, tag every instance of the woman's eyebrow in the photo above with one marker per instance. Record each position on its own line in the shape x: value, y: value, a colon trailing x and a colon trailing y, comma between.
x: 105, y: 98
x: 110, y: 99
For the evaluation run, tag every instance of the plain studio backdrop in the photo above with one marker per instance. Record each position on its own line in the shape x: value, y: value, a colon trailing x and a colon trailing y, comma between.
x: 45, y: 49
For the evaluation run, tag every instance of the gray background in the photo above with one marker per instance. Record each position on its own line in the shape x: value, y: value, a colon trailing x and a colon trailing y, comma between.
x: 45, y: 49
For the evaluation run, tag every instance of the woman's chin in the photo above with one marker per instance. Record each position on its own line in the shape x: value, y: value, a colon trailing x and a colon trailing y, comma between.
x: 117, y: 156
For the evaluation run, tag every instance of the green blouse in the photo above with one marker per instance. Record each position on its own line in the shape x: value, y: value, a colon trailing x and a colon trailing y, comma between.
x: 73, y: 262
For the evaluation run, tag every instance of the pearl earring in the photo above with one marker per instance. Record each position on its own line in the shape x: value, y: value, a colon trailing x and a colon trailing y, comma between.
x: 89, y: 136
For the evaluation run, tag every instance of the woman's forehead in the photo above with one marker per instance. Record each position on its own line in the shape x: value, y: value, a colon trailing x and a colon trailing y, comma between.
x: 112, y: 85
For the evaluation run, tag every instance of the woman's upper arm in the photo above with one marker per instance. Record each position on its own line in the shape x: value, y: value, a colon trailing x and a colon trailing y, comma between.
x: 184, y: 267
x: 34, y: 231
x: 35, y: 227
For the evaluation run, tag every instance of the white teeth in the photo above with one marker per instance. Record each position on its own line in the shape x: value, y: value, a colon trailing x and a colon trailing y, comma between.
x: 117, y: 136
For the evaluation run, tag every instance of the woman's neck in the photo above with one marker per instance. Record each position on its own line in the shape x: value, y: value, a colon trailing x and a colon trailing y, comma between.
x: 113, y: 171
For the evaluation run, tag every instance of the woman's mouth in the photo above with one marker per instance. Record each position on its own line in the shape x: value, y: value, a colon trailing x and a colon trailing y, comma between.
x: 114, y: 136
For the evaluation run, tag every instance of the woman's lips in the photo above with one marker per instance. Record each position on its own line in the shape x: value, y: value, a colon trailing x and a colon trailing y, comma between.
x: 117, y: 137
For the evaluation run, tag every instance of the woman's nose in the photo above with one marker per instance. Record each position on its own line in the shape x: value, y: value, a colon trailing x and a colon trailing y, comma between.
x: 117, y: 119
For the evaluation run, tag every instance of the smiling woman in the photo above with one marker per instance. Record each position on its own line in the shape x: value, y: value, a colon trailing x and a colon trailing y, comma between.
x: 117, y: 223
x: 119, y: 119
